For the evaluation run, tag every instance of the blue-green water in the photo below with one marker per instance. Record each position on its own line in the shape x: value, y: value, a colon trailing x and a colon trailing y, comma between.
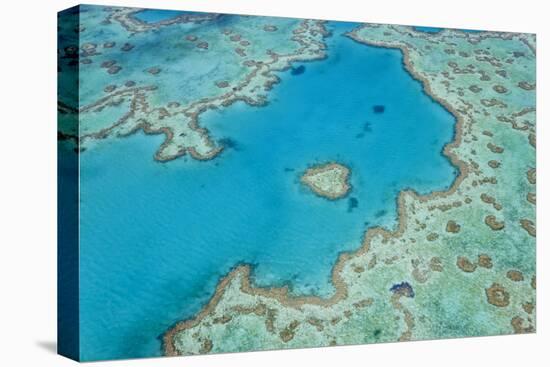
x: 437, y: 29
x: 156, y: 238
x: 159, y: 15
x: 428, y: 29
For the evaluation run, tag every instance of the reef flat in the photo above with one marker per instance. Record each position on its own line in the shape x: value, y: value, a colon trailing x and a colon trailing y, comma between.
x: 460, y: 263
x: 329, y: 180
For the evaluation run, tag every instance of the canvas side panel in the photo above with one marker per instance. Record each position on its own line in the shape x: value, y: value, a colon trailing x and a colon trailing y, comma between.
x: 67, y: 184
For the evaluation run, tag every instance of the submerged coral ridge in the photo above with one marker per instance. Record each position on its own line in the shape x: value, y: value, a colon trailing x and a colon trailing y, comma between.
x: 460, y: 262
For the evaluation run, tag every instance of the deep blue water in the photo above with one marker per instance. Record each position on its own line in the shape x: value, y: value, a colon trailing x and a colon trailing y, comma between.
x: 156, y: 238
x: 158, y: 15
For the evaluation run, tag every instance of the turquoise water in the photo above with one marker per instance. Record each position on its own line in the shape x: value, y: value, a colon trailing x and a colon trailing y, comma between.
x: 437, y: 29
x: 156, y: 238
x: 158, y: 15
x: 428, y: 29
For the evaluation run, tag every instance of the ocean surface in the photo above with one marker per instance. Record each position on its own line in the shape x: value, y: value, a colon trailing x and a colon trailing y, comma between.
x: 157, y: 237
x: 437, y: 29
x: 159, y: 15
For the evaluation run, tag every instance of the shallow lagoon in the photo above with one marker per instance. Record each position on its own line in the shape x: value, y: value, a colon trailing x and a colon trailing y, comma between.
x: 190, y: 222
x: 159, y: 15
x: 437, y: 29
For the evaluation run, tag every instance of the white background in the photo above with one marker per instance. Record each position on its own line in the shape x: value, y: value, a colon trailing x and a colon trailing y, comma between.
x: 28, y: 181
